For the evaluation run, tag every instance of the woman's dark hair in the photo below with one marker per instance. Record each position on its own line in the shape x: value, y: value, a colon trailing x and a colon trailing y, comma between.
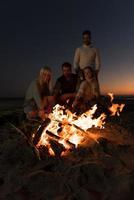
x: 66, y: 64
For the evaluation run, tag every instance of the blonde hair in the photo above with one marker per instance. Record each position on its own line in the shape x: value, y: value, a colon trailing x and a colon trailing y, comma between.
x: 43, y: 70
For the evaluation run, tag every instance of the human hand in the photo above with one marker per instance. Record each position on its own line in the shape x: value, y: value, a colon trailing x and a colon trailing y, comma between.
x: 42, y: 114
x: 67, y: 96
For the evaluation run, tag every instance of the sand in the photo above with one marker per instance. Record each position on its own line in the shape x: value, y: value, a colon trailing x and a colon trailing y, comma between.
x: 98, y: 171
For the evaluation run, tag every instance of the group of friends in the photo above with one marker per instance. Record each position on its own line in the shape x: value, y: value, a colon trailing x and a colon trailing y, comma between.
x: 79, y: 90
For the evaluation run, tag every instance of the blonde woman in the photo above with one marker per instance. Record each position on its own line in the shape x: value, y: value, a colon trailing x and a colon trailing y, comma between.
x: 38, y: 99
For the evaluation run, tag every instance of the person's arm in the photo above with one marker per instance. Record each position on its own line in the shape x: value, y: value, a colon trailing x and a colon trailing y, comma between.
x: 76, y: 59
x: 79, y: 94
x: 37, y: 98
x: 32, y: 93
x: 67, y: 96
x: 96, y: 90
x: 57, y: 88
x: 97, y: 62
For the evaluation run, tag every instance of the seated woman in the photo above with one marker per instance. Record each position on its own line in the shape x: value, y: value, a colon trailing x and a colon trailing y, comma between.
x: 88, y: 92
x: 37, y: 97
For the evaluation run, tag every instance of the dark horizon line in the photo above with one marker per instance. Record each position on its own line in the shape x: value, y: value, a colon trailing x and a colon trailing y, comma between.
x: 104, y: 94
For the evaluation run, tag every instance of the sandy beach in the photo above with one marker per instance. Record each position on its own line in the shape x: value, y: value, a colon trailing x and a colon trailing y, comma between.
x: 103, y: 170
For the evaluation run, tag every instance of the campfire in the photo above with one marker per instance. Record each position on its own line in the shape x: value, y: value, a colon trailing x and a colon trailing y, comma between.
x: 64, y: 131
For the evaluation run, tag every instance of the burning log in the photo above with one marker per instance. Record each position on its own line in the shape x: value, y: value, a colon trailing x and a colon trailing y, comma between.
x: 44, y: 153
x: 58, y: 138
x: 55, y: 137
x: 40, y: 130
x: 56, y: 147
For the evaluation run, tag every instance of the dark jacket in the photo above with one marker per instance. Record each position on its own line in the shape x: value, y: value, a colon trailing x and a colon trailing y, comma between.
x: 64, y: 86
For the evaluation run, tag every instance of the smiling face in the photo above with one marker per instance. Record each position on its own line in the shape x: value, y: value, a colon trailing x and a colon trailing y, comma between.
x: 88, y: 74
x: 44, y: 76
x: 66, y: 70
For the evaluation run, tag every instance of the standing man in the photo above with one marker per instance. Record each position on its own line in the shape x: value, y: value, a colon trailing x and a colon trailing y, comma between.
x: 87, y: 55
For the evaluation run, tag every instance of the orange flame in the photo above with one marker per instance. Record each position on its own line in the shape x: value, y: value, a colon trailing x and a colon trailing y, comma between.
x: 73, y: 128
x: 115, y: 108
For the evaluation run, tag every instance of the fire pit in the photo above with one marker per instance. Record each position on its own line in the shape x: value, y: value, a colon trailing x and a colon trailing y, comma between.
x: 64, y: 131
x: 89, y: 159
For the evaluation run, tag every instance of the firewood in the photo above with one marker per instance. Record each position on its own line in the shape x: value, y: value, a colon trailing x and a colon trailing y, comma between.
x: 40, y: 130
x: 56, y: 137
x: 52, y: 135
x: 56, y: 147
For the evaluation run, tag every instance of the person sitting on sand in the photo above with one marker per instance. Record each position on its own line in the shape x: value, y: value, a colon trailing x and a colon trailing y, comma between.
x: 88, y: 92
x: 38, y: 99
x: 65, y: 87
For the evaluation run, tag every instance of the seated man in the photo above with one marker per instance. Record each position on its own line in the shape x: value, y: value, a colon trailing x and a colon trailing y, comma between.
x: 37, y: 97
x: 88, y: 92
x: 65, y: 87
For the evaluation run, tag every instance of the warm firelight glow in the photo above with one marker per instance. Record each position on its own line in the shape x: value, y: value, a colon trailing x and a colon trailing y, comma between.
x: 70, y: 130
x: 111, y: 95
x: 115, y: 108
x: 75, y: 139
